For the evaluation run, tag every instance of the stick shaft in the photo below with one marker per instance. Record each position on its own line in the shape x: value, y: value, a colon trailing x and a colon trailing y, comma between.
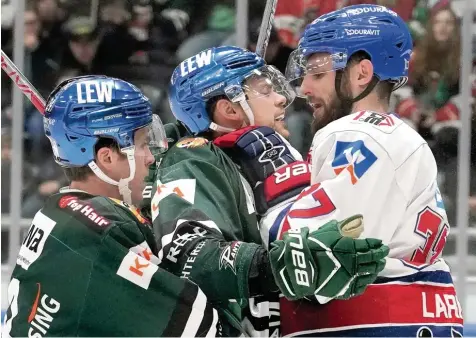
x: 266, y: 26
x: 22, y: 83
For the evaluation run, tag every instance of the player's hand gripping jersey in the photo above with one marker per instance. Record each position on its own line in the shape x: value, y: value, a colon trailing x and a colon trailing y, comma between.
x: 376, y: 165
x: 107, y: 281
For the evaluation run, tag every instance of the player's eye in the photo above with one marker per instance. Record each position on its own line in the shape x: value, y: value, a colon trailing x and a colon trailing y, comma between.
x: 318, y: 76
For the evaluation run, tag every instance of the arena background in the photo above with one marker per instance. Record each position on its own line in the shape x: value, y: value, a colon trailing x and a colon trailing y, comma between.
x: 143, y: 40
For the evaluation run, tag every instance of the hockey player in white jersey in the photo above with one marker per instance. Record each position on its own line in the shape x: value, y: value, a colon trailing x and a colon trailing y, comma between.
x: 366, y: 160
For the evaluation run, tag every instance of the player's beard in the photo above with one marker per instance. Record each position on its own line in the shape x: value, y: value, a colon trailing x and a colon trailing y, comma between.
x: 333, y: 110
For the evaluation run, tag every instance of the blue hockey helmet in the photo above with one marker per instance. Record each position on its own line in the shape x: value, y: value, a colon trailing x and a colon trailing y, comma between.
x: 82, y: 110
x: 375, y: 30
x: 221, y: 71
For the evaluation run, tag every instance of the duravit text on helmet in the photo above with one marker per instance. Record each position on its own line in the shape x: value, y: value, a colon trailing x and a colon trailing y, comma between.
x: 374, y: 9
x: 362, y: 31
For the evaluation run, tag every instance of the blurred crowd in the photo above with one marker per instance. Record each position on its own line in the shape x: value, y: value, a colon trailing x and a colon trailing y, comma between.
x: 142, y: 41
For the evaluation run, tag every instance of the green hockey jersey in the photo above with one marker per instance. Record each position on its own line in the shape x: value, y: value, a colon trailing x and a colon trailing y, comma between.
x: 88, y: 266
x: 207, y: 229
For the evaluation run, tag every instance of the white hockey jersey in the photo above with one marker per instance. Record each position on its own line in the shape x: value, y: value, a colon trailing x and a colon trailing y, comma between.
x: 374, y: 164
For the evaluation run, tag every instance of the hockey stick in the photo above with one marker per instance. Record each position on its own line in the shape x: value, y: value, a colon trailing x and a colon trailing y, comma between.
x: 266, y: 26
x: 22, y: 83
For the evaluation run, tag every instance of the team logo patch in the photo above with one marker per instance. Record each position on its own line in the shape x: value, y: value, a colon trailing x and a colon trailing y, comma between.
x: 228, y: 256
x: 192, y: 142
x: 353, y: 157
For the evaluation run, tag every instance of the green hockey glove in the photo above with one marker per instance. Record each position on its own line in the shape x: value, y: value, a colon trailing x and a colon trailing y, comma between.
x: 327, y: 262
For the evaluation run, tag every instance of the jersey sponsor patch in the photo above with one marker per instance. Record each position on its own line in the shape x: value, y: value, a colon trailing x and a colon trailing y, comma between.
x: 35, y: 239
x: 384, y: 122
x: 82, y: 208
x: 353, y: 157
x: 192, y: 142
x: 42, y: 314
x: 137, y: 269
x: 395, y: 304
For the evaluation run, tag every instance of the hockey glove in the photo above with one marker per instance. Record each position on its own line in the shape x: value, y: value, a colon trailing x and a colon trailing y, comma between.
x: 267, y: 164
x: 327, y: 262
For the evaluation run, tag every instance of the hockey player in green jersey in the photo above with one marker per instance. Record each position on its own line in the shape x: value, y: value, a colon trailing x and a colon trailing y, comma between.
x: 88, y: 265
x: 214, y: 95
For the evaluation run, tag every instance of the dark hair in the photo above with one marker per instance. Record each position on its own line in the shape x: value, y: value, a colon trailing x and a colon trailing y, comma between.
x: 383, y: 88
x: 212, y: 104
x: 82, y: 173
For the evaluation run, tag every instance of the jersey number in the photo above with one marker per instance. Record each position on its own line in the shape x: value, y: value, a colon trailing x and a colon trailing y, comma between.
x: 429, y: 227
x: 324, y: 203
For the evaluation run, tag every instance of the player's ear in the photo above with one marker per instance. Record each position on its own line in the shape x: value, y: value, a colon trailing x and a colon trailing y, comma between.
x: 364, y: 72
x: 106, y: 159
x: 227, y: 114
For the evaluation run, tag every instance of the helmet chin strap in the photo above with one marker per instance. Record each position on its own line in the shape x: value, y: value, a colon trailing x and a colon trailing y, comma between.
x: 249, y: 113
x: 123, y: 183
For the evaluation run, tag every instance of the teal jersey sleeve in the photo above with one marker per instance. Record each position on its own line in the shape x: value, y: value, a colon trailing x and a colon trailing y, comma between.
x: 88, y: 266
x: 204, y: 219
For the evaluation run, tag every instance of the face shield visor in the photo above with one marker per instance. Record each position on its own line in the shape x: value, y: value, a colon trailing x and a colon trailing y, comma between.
x: 303, y: 63
x: 260, y: 83
x: 151, y: 140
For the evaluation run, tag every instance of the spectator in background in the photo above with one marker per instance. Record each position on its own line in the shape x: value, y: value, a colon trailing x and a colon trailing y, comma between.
x: 277, y: 54
x: 434, y: 80
x: 83, y: 41
x: 292, y: 16
x: 220, y: 24
x: 28, y: 169
x: 44, y: 176
x: 159, y: 42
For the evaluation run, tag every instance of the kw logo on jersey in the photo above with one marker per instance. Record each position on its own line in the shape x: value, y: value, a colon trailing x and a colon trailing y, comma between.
x: 41, y: 315
x: 139, y: 265
x: 354, y: 157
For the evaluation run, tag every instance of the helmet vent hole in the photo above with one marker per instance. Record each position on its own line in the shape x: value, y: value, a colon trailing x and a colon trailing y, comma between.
x: 399, y: 45
x: 83, y: 150
x: 82, y: 108
x: 241, y: 63
x: 385, y: 20
x: 332, y: 18
x: 137, y: 110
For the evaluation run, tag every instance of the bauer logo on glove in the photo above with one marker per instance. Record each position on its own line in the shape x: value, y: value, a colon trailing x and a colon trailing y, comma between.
x: 329, y: 262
